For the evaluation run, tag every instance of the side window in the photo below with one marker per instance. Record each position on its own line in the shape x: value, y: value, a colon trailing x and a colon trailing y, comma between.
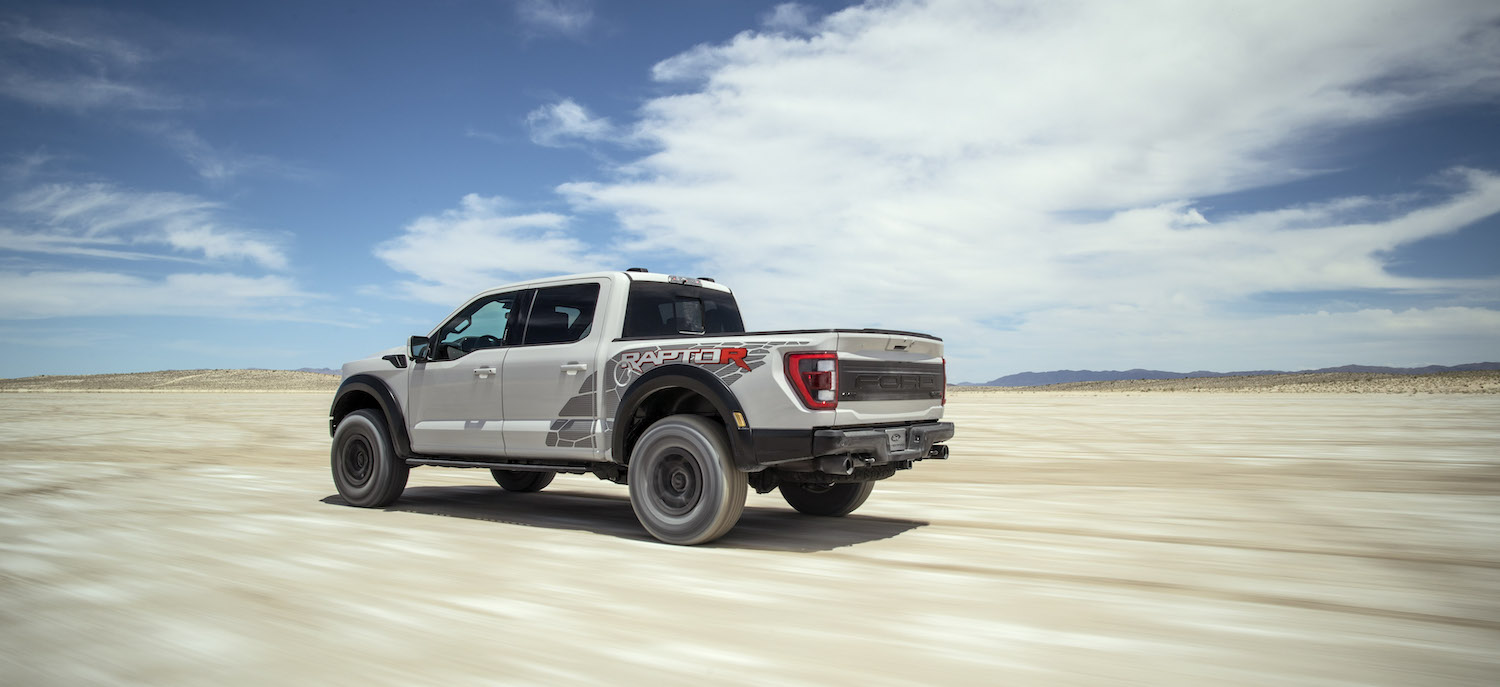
x: 485, y: 324
x: 561, y: 314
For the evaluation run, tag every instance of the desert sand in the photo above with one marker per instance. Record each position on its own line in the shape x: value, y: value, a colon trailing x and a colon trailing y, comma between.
x: 1161, y: 538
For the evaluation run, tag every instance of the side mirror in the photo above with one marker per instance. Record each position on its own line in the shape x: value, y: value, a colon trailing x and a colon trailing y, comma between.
x: 416, y: 348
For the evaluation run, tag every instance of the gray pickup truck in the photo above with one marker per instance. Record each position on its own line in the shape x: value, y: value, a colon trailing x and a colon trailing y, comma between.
x: 647, y: 380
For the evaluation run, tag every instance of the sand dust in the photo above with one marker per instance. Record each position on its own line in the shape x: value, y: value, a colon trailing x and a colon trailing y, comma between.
x: 190, y: 539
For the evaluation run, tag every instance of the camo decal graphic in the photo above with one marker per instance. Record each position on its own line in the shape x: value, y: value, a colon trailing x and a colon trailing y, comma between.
x: 729, y: 361
x: 568, y: 433
x: 571, y: 434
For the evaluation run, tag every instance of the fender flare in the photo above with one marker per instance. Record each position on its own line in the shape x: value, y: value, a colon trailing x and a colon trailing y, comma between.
x: 698, y: 381
x: 375, y: 387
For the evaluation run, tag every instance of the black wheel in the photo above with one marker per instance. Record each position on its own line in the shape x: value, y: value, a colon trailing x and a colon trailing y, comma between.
x: 522, y: 480
x: 366, y: 469
x: 833, y: 500
x: 684, y: 487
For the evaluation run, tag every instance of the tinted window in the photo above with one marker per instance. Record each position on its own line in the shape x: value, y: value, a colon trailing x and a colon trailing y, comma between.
x: 485, y: 324
x: 562, y: 314
x: 659, y: 309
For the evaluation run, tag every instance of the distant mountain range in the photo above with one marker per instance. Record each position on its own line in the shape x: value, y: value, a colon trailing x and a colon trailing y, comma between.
x: 1065, y: 376
x: 315, y: 370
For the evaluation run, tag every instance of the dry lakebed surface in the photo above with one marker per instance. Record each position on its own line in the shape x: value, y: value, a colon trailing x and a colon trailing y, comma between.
x: 1171, y: 537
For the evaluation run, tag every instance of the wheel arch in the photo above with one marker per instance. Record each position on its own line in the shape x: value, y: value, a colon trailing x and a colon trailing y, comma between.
x: 370, y: 392
x: 673, y: 389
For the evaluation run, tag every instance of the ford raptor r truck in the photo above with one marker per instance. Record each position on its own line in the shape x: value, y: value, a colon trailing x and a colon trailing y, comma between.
x: 646, y: 380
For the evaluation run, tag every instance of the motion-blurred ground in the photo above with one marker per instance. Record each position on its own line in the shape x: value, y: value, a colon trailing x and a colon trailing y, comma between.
x: 1157, y: 538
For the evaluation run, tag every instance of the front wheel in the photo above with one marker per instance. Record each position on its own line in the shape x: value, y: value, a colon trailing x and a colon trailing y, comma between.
x: 522, y: 480
x: 684, y: 486
x: 833, y: 500
x: 366, y: 469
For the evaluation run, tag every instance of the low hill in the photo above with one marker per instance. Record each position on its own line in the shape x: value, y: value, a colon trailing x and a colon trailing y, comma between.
x: 178, y: 380
x: 1461, y: 382
x: 1069, y: 376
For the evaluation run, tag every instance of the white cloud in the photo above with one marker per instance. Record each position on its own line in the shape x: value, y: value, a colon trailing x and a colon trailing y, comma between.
x: 84, y: 92
x: 483, y: 135
x: 105, y: 63
x: 926, y: 165
x: 104, y: 221
x: 24, y: 166
x: 789, y: 17
x: 218, y: 165
x: 77, y: 67
x: 565, y: 122
x: 42, y: 294
x: 84, y: 246
x: 77, y: 41
x: 480, y: 244
x: 570, y: 18
x: 694, y: 65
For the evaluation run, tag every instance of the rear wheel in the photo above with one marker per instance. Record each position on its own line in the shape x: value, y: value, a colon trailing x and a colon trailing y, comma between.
x: 827, y: 499
x: 684, y: 486
x: 366, y: 469
x: 522, y: 480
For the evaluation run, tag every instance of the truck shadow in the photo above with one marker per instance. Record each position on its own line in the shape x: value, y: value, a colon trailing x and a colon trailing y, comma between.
x: 768, y: 529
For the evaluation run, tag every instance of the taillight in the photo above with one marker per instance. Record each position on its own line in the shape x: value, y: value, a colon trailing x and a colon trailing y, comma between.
x: 815, y: 377
x: 945, y: 381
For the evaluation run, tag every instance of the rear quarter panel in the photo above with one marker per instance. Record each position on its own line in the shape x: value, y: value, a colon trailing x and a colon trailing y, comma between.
x: 761, y: 385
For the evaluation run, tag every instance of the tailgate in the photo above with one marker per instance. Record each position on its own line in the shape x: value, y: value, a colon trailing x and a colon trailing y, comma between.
x: 888, y: 378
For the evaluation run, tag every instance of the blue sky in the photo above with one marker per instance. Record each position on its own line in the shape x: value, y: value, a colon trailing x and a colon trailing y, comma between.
x: 1045, y: 184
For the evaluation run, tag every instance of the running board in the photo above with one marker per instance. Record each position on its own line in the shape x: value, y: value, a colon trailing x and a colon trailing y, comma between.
x: 570, y: 468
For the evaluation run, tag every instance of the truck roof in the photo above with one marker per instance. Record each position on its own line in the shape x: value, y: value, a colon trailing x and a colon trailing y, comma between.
x: 615, y: 274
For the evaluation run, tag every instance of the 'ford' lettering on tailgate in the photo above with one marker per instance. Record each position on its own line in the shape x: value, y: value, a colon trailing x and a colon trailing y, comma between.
x: 895, y: 382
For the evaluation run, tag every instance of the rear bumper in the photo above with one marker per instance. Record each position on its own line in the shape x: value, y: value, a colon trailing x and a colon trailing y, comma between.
x: 913, y: 442
x: 871, y: 445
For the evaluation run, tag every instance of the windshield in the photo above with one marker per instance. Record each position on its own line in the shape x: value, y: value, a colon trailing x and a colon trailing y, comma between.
x: 661, y: 309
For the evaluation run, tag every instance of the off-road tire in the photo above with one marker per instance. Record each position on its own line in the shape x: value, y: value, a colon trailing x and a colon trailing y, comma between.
x: 522, y: 480
x: 366, y: 469
x: 684, y: 487
x: 833, y: 500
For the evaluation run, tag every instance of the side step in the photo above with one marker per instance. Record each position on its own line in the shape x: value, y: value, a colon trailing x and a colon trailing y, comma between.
x: 579, y: 468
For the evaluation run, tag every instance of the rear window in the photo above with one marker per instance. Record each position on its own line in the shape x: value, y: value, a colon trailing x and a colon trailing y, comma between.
x: 661, y: 309
x: 562, y: 314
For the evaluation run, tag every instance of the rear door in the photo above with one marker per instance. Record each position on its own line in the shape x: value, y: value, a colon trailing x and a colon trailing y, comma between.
x: 551, y: 378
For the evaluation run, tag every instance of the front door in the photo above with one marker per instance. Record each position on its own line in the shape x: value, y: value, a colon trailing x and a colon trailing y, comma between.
x: 456, y: 402
x: 551, y: 383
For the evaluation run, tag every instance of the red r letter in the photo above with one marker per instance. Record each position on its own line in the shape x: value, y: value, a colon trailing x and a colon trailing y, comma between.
x: 736, y: 356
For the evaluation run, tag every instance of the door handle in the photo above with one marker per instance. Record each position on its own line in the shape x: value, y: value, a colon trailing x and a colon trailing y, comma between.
x: 484, y: 371
x: 575, y: 368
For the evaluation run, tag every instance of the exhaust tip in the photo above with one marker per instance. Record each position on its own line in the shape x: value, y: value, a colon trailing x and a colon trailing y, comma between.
x: 836, y: 465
